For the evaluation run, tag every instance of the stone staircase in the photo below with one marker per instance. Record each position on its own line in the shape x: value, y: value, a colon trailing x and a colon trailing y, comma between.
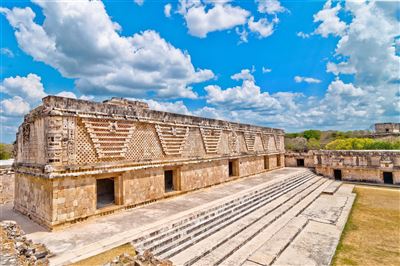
x: 234, y: 232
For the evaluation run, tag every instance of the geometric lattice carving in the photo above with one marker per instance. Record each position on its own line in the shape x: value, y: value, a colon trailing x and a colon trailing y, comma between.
x: 85, y: 152
x: 172, y: 138
x: 110, y: 137
x: 249, y: 138
x: 211, y: 138
x: 144, y: 144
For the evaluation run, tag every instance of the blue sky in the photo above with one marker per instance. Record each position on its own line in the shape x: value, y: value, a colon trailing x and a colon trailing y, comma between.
x: 288, y: 64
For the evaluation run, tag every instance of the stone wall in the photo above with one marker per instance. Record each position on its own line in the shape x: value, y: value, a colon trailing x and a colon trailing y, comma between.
x: 68, y: 133
x: 387, y: 128
x: 7, y: 178
x: 143, y: 185
x: 204, y: 174
x: 68, y: 152
x: 292, y: 157
x: 73, y: 197
x: 34, y: 197
x: 355, y: 165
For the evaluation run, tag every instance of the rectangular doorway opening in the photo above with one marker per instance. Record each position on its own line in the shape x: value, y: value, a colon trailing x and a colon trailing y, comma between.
x: 388, y: 177
x: 337, y: 173
x: 105, y: 192
x: 169, y: 180
x: 300, y: 162
x: 278, y: 160
x: 233, y: 168
x: 266, y: 162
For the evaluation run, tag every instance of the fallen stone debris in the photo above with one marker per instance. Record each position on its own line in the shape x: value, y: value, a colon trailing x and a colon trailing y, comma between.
x: 147, y: 259
x: 16, y: 249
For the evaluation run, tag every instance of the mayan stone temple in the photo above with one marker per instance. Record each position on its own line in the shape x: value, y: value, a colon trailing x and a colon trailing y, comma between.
x: 76, y: 159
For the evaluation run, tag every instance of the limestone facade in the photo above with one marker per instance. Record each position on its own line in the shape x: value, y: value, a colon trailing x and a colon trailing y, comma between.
x: 387, y: 127
x: 351, y: 165
x: 76, y: 159
x: 6, y: 183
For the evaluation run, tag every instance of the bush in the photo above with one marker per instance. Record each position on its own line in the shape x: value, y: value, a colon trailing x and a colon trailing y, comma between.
x: 292, y: 135
x: 313, y: 144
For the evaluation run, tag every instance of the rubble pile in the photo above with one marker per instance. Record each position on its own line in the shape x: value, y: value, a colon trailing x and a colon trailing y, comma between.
x: 147, y: 259
x: 16, y: 249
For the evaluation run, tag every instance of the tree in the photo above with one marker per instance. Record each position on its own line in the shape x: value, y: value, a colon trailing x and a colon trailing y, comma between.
x: 5, y: 151
x: 312, y: 134
x: 313, y: 144
x: 296, y: 144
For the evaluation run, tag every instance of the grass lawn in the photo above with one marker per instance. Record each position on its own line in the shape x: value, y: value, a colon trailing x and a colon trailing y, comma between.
x: 107, y: 256
x: 372, y: 233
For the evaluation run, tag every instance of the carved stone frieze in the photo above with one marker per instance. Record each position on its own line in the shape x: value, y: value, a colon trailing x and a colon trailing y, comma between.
x: 211, y: 139
x: 110, y: 137
x: 172, y: 138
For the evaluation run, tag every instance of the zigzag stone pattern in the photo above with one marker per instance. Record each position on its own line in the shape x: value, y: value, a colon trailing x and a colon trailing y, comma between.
x: 172, y: 138
x: 249, y: 138
x: 110, y: 137
x: 211, y: 139
x: 266, y: 142
x: 277, y: 143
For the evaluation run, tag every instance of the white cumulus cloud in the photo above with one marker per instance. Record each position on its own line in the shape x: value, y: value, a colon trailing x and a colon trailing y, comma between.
x: 15, y: 106
x: 203, y: 17
x: 266, y: 70
x: 80, y: 40
x: 330, y: 23
x: 300, y: 79
x: 167, y: 10
x: 262, y: 27
x: 269, y: 6
x: 29, y: 88
x: 139, y: 2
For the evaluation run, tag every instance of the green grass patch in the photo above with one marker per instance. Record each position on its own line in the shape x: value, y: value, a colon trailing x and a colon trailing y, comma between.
x: 372, y: 233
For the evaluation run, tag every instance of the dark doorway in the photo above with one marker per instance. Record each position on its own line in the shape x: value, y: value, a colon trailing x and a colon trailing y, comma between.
x: 278, y: 160
x: 388, y: 177
x: 266, y: 162
x: 105, y: 192
x: 337, y: 174
x: 300, y: 162
x: 169, y: 180
x: 230, y: 168
x: 233, y: 168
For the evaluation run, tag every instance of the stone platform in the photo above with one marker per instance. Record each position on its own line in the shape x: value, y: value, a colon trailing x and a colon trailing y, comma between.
x: 285, y: 217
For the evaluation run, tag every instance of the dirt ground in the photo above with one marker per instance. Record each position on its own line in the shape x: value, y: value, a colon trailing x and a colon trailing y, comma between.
x: 372, y: 233
x: 107, y: 256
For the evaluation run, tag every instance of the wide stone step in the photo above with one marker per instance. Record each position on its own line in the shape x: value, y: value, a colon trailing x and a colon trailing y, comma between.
x: 332, y: 188
x: 271, y: 249
x: 161, y: 233
x: 234, y: 246
x: 201, y: 230
x: 201, y: 249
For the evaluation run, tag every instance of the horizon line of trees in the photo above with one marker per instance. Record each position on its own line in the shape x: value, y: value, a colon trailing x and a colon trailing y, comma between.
x: 337, y: 140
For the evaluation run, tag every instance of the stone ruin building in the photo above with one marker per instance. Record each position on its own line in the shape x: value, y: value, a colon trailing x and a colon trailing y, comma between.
x: 372, y: 166
x: 75, y: 159
x: 387, y: 128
